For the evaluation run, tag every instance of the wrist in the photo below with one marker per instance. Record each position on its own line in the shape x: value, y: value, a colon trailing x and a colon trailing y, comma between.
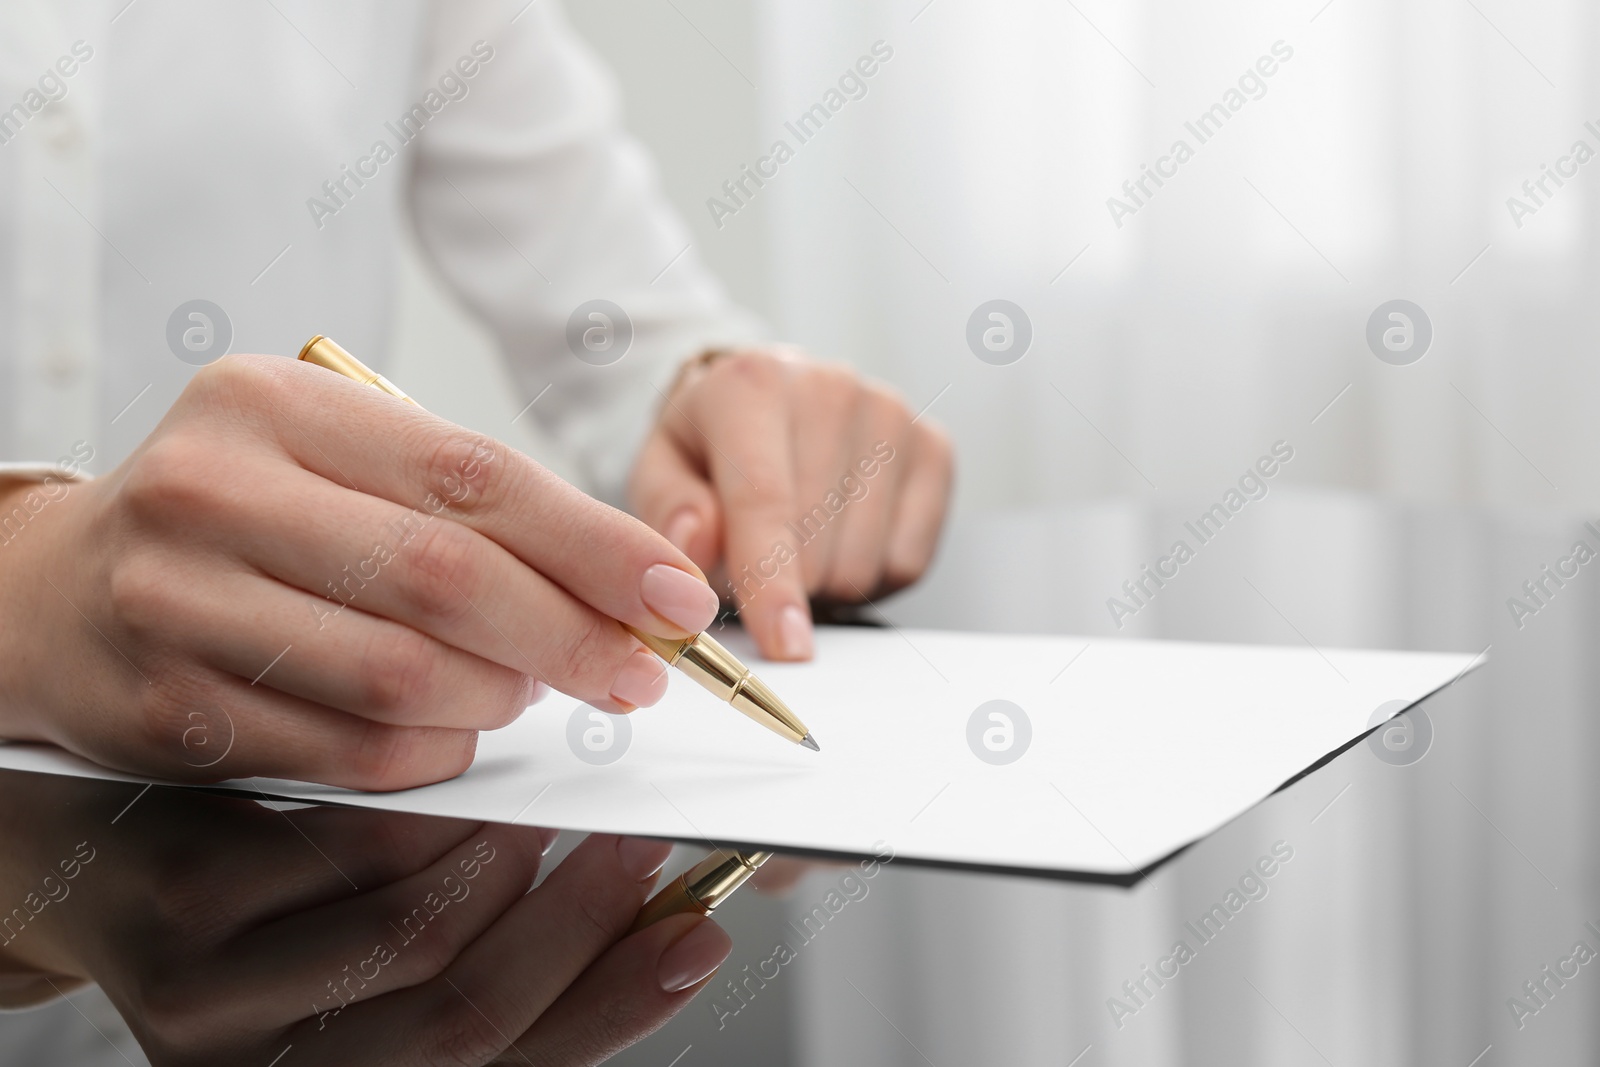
x: 29, y: 529
x: 37, y: 878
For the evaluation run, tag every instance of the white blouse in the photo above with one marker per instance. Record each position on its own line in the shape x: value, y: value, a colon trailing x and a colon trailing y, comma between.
x: 259, y: 158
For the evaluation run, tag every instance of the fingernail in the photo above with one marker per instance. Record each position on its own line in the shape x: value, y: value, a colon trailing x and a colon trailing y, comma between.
x: 679, y: 597
x: 682, y: 527
x: 641, y: 681
x: 794, y: 632
x: 691, y: 959
x: 547, y: 839
x: 641, y: 857
x: 539, y: 692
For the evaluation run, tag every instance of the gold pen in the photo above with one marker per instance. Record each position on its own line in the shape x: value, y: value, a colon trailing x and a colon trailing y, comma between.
x: 701, y: 657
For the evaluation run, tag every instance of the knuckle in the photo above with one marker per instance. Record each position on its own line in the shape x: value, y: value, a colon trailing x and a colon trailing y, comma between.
x: 462, y: 470
x: 589, y: 655
x: 239, y: 375
x: 169, y: 1020
x: 442, y: 571
x: 751, y: 369
x: 385, y: 756
x: 900, y: 574
x: 391, y: 757
x: 176, y: 692
x: 884, y: 406
x: 598, y: 925
x: 398, y: 672
x: 771, y: 497
x: 517, y: 690
x: 175, y: 474
x: 835, y: 378
x: 853, y: 581
x: 249, y: 388
x: 904, y: 565
x: 432, y: 948
x: 827, y: 398
x: 139, y: 590
x: 189, y: 905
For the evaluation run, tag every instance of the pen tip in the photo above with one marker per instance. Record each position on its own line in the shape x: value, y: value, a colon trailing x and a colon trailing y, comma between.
x: 811, y: 743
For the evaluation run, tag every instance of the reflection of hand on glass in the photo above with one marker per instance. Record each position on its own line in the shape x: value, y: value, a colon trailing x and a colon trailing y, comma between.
x: 225, y: 931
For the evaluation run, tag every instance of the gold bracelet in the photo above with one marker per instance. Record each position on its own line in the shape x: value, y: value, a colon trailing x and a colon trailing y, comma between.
x: 704, y: 358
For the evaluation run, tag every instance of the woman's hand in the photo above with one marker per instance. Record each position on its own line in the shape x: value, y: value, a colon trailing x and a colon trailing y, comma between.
x: 802, y: 479
x: 226, y: 932
x: 298, y: 576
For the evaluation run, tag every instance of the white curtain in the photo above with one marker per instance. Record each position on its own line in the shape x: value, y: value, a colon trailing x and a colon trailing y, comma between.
x: 1224, y: 314
x: 1230, y: 308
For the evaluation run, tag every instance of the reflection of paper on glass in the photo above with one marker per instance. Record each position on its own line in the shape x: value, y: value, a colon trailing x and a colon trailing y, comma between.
x: 1122, y: 752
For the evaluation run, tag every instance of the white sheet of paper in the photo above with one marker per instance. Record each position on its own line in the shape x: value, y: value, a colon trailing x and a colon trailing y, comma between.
x: 1137, y: 749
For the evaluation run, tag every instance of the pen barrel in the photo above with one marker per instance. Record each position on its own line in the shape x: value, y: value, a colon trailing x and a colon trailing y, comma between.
x: 717, y: 670
x: 714, y: 667
x: 325, y: 352
x: 713, y: 879
x: 702, y: 887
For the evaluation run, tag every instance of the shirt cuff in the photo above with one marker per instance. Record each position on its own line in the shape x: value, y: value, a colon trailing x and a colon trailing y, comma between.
x: 39, y: 472
x: 23, y: 987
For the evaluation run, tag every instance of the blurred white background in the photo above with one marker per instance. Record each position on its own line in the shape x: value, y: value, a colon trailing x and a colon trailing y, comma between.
x: 1224, y: 314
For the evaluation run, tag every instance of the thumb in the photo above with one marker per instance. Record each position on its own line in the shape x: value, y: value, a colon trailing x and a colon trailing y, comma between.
x: 671, y: 494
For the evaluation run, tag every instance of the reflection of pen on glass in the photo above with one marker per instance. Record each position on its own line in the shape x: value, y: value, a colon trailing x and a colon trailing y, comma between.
x: 700, y: 657
x: 702, y: 887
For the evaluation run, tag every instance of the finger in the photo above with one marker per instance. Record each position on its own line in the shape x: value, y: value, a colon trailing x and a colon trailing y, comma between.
x: 209, y: 726
x: 670, y: 492
x: 920, y: 511
x: 401, y: 933
x: 825, y: 398
x: 628, y: 993
x: 311, y: 856
x: 359, y: 554
x: 342, y: 658
x: 881, y: 433
x: 504, y: 981
x: 365, y: 440
x: 737, y: 417
x: 370, y: 847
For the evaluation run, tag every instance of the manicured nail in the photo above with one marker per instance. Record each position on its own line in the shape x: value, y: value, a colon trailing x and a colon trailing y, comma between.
x: 691, y: 959
x: 641, y: 857
x: 679, y: 597
x: 641, y: 681
x: 547, y: 839
x: 682, y: 527
x: 794, y: 632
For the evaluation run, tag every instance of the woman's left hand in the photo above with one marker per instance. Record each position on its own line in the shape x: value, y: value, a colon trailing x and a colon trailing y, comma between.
x: 802, y: 479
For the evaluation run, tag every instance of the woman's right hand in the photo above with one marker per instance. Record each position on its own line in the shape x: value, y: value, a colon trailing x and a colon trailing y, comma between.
x: 299, y: 576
